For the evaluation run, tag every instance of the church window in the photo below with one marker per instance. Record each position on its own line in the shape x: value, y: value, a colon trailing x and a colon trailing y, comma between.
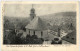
x: 29, y: 31
x: 34, y: 32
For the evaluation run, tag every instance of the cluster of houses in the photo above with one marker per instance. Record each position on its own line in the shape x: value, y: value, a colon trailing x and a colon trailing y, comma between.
x: 38, y: 26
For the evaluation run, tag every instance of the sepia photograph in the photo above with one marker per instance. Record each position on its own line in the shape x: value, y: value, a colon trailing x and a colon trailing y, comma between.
x: 39, y: 23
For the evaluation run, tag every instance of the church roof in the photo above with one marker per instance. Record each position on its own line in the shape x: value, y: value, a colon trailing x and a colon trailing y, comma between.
x: 37, y: 24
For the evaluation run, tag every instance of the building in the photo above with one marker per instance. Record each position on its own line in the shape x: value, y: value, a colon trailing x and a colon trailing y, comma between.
x: 37, y: 27
x: 70, y: 37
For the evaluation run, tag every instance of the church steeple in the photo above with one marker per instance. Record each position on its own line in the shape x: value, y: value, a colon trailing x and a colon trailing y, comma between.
x: 32, y: 13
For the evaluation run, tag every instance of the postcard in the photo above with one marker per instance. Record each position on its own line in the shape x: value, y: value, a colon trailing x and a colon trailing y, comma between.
x: 35, y: 26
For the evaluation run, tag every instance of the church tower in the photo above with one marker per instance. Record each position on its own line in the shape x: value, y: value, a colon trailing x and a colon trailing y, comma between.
x: 32, y: 13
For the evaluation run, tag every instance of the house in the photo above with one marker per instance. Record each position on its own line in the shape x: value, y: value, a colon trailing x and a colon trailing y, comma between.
x: 70, y: 37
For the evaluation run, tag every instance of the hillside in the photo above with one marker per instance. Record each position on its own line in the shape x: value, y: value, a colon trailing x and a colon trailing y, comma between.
x: 59, y: 18
x: 55, y: 20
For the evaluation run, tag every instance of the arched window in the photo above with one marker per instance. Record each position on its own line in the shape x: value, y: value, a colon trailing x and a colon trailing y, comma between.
x: 34, y: 32
x: 29, y: 32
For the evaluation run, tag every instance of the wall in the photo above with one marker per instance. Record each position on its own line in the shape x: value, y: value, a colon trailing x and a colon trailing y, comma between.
x: 38, y: 33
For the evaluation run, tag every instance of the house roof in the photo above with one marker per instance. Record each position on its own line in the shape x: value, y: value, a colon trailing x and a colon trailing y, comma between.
x: 70, y: 37
x: 37, y: 24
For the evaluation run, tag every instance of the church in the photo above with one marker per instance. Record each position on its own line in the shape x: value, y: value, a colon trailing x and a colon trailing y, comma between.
x: 36, y: 26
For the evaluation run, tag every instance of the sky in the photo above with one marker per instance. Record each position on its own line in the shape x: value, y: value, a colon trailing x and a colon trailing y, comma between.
x: 23, y: 10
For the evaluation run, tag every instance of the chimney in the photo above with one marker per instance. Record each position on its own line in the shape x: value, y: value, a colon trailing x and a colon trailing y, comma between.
x: 58, y: 32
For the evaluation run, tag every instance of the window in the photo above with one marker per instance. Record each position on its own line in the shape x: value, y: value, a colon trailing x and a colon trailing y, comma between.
x: 29, y: 31
x: 33, y: 11
x: 34, y: 32
x: 72, y: 38
x: 67, y: 37
x: 56, y: 39
x: 41, y: 33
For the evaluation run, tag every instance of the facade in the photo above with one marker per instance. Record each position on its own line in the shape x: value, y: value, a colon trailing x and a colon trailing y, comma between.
x: 37, y: 27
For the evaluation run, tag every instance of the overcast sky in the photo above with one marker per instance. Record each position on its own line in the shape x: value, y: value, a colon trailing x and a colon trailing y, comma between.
x: 23, y: 10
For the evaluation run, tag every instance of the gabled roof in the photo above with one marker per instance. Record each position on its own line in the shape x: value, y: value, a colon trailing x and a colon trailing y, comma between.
x: 70, y: 37
x: 37, y: 24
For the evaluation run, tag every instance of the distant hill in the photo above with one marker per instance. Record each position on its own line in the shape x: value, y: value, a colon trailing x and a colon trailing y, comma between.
x: 55, y: 20
x: 61, y: 19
